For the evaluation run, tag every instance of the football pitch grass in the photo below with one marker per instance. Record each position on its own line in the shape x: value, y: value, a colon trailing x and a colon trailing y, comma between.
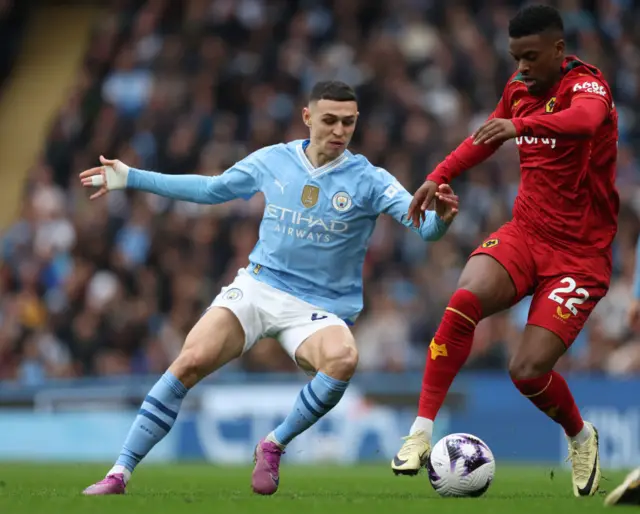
x: 201, y: 488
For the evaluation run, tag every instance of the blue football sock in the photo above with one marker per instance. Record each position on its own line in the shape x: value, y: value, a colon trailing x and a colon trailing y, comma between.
x: 154, y: 420
x: 316, y: 399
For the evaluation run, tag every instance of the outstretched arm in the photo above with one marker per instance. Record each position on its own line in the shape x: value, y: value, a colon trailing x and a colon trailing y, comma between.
x: 239, y: 181
x: 582, y: 118
x: 233, y: 183
x: 589, y: 108
x: 467, y: 155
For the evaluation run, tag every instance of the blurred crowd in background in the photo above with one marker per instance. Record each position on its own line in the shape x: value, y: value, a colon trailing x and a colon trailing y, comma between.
x: 113, y: 286
x: 13, y: 16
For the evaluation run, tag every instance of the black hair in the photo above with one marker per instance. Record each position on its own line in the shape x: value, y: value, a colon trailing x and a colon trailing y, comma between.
x: 535, y: 19
x: 332, y: 90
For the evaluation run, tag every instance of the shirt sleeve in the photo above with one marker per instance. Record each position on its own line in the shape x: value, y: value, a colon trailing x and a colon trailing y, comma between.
x: 242, y: 180
x: 582, y: 118
x: 467, y: 155
x: 586, y: 86
x: 390, y: 197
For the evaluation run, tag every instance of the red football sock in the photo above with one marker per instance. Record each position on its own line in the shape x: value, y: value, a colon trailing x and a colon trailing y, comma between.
x: 551, y: 394
x: 448, y: 350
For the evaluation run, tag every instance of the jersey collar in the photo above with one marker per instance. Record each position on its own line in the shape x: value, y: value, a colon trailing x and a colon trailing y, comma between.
x: 316, y: 172
x: 571, y: 61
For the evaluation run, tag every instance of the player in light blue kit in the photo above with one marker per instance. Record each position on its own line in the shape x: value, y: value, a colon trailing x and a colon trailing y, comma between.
x: 303, y: 285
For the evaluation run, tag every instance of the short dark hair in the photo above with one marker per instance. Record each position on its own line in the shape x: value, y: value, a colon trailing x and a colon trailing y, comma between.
x: 332, y: 90
x: 535, y: 19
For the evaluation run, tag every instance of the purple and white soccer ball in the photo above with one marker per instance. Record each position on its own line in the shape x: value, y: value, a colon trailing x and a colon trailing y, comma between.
x: 461, y: 465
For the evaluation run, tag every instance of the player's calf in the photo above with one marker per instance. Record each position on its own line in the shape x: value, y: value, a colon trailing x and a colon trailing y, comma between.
x: 332, y: 353
x: 216, y: 339
x: 551, y: 394
x: 531, y: 370
x: 485, y: 287
x: 447, y: 354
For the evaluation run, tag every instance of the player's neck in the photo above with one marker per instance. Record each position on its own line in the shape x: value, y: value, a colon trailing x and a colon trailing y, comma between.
x: 316, y: 157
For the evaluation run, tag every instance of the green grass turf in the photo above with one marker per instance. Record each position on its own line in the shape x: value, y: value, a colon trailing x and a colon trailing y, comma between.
x: 200, y: 488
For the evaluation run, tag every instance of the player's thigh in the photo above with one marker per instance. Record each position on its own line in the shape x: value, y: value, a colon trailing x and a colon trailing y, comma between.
x: 216, y: 339
x: 231, y: 326
x: 560, y: 307
x: 325, y: 345
x: 246, y: 297
x: 500, y: 271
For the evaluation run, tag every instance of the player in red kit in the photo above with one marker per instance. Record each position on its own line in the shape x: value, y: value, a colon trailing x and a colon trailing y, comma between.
x: 556, y: 248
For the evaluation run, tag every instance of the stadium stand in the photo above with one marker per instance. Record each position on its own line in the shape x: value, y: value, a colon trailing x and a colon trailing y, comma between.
x: 190, y: 87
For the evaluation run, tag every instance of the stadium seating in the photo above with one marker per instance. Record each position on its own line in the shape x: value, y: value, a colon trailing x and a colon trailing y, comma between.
x: 112, y: 288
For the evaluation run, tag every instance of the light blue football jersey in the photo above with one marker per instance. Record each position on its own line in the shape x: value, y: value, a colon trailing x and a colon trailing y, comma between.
x: 317, y: 221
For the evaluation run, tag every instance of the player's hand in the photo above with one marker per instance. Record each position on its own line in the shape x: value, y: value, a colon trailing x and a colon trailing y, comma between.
x: 446, y: 203
x: 111, y: 175
x: 495, y: 130
x: 421, y: 201
x: 633, y: 316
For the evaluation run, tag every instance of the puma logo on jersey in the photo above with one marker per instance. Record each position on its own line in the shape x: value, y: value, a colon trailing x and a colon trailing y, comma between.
x: 280, y: 185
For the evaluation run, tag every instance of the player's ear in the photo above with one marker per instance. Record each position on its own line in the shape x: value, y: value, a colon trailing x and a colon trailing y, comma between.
x: 306, y: 116
x: 560, y: 45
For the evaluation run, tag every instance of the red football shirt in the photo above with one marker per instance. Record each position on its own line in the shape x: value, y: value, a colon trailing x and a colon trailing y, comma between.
x: 567, y: 191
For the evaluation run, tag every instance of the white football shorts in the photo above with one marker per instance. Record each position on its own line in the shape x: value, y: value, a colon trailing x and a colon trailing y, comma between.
x: 265, y: 311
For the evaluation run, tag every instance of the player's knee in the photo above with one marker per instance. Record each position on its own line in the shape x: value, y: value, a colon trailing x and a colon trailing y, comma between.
x: 339, y: 360
x: 197, y: 359
x: 489, y: 282
x: 216, y: 339
x: 190, y: 366
x: 526, y: 369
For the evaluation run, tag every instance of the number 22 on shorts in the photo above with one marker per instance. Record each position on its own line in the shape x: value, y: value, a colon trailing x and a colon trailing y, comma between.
x: 570, y: 287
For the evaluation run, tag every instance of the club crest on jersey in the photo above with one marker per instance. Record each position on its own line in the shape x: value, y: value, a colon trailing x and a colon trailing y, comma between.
x: 550, y: 105
x: 233, y: 295
x: 490, y: 243
x: 310, y: 196
x: 341, y: 202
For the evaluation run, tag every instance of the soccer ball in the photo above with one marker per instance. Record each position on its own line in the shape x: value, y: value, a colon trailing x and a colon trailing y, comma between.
x: 461, y: 465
